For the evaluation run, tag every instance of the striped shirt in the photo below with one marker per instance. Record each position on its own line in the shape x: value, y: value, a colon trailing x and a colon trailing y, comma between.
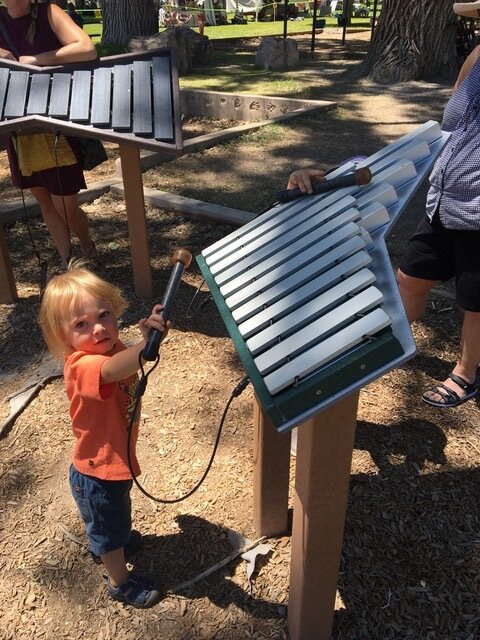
x: 455, y: 178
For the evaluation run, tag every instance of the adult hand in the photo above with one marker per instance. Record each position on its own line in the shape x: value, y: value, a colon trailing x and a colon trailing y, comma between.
x: 5, y: 54
x: 28, y: 60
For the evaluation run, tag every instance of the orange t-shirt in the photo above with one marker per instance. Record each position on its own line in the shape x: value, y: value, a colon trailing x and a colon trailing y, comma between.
x: 100, y: 416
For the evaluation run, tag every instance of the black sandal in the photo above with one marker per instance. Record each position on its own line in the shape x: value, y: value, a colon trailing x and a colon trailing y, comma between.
x: 450, y: 397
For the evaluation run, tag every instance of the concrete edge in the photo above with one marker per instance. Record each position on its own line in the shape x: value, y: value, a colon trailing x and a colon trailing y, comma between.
x: 15, y: 210
x: 191, y: 207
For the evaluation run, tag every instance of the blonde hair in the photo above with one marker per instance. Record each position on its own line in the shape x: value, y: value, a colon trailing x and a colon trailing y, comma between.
x: 61, y: 299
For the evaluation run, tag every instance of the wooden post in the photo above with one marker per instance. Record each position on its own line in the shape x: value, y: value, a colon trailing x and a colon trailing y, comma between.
x: 271, y: 471
x: 8, y: 290
x: 324, y: 456
x: 137, y: 223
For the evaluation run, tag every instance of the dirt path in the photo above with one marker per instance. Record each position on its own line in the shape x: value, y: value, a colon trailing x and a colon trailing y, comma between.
x: 411, y: 559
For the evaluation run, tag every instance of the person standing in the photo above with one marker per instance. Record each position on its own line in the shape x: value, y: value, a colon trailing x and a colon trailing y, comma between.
x: 79, y: 321
x: 47, y: 164
x: 446, y: 243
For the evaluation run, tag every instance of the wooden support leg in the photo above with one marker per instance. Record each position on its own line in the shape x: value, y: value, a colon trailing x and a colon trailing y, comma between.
x: 271, y: 470
x: 324, y: 457
x: 137, y: 223
x: 8, y: 290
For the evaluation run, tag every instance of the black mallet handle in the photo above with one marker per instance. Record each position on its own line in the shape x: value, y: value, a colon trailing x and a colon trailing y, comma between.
x: 181, y: 260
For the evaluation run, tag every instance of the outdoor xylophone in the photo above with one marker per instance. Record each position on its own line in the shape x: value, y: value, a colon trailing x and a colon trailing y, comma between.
x: 307, y: 290
x: 129, y: 99
x: 132, y: 100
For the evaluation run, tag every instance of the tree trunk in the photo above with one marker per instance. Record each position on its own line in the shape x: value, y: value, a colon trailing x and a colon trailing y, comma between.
x: 123, y: 19
x: 414, y: 40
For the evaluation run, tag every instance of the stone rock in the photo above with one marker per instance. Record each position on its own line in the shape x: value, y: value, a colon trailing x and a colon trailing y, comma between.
x: 192, y: 48
x: 277, y: 54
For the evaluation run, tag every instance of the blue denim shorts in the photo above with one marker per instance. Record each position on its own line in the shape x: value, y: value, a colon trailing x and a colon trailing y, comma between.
x: 106, y: 510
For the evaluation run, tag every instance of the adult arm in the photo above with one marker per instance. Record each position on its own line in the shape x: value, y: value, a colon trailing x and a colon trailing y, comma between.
x: 467, y: 67
x: 76, y: 44
x: 5, y: 54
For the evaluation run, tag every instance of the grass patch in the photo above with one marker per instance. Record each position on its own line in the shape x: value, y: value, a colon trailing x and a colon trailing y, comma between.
x: 109, y: 49
x: 266, y: 135
x: 250, y: 30
x: 257, y: 29
x: 235, y: 72
x: 94, y: 30
x: 244, y: 78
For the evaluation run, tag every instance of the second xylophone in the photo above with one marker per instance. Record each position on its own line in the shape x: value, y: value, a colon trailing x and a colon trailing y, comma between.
x: 307, y: 291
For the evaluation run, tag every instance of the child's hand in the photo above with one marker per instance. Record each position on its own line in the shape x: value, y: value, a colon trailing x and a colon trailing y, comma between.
x: 155, y: 321
x: 303, y: 178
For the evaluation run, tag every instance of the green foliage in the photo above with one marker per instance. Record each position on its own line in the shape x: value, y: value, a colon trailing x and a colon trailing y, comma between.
x: 109, y: 49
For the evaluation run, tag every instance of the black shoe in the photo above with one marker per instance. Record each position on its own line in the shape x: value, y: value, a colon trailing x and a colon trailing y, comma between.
x: 134, y: 544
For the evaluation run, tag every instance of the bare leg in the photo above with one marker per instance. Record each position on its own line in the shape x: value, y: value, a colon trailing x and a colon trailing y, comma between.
x: 469, y: 360
x: 63, y: 215
x: 55, y: 224
x: 114, y: 562
x: 77, y: 221
x: 470, y: 347
x: 414, y: 292
x: 134, y: 590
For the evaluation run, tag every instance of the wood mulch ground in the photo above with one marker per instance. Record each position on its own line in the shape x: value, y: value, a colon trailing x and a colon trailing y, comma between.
x: 411, y: 556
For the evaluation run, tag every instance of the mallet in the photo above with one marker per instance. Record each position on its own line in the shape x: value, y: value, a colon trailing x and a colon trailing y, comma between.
x: 181, y: 260
x: 359, y: 177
